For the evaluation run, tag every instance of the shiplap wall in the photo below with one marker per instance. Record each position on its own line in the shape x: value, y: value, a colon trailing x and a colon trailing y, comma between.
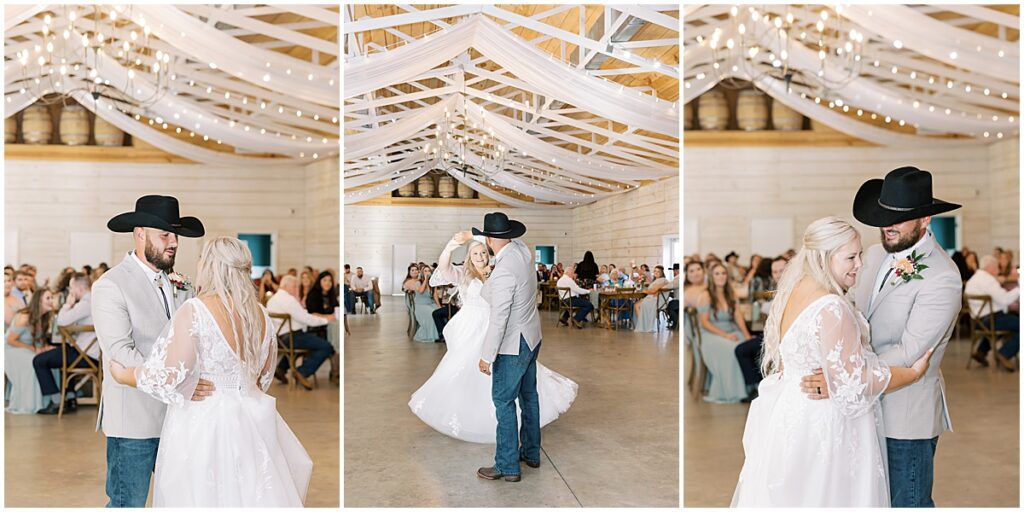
x: 47, y: 201
x: 1004, y: 162
x: 372, y: 230
x: 727, y: 188
x: 628, y: 226
x: 322, y: 214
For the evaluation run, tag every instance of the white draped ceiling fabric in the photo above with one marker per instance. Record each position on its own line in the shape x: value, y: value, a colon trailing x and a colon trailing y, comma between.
x: 253, y: 79
x: 582, y: 100
x: 944, y: 70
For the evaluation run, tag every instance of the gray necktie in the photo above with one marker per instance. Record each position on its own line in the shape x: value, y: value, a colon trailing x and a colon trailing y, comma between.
x: 163, y: 296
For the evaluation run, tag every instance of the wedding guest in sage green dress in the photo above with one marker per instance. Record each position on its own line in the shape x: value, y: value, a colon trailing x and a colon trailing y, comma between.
x: 722, y: 328
x: 26, y: 337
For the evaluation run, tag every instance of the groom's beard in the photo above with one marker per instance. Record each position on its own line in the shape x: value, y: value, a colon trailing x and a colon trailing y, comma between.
x: 165, y: 263
x: 904, y: 242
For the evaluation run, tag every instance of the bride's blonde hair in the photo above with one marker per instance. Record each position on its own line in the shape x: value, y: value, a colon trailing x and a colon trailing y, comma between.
x: 470, y: 271
x: 225, y: 266
x: 821, y: 240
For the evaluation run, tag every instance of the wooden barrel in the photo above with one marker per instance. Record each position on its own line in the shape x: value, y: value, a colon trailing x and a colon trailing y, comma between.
x: 106, y: 134
x: 10, y: 129
x: 786, y: 119
x: 425, y: 186
x: 752, y: 110
x: 407, y: 190
x: 74, y: 125
x: 37, y: 125
x: 446, y: 187
x: 688, y: 116
x: 712, y: 111
x: 464, y: 191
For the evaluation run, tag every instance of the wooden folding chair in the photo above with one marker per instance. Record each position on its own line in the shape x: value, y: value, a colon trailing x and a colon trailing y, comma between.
x: 983, y: 327
x: 698, y: 373
x: 410, y: 305
x: 286, y: 346
x: 69, y: 367
x: 664, y: 297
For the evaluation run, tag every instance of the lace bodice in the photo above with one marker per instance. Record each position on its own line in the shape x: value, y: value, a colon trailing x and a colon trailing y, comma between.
x: 827, y: 335
x: 191, y: 347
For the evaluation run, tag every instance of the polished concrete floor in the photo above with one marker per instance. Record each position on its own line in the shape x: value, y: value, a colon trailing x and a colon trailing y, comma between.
x: 976, y: 465
x: 617, y: 446
x: 62, y: 463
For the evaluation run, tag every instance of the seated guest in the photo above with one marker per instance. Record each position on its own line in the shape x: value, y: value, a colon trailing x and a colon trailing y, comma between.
x: 961, y: 265
x: 447, y: 310
x: 673, y: 305
x: 305, y: 283
x: 25, y: 339
x: 748, y: 277
x: 417, y: 282
x: 736, y: 272
x: 604, y: 276
x: 648, y: 275
x: 12, y: 304
x: 286, y: 301
x: 984, y: 282
x: 1005, y: 266
x: 556, y: 272
x: 647, y: 309
x: 267, y: 285
x: 292, y: 272
x: 586, y: 271
x: 696, y: 284
x: 362, y: 286
x: 77, y: 310
x: 722, y: 328
x: 578, y: 298
x: 748, y: 353
x: 350, y: 297
x: 22, y: 287
x: 543, y: 274
x: 615, y: 278
x: 323, y: 295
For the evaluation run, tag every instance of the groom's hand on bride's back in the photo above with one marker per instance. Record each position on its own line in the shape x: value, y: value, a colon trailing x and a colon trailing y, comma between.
x: 204, y: 389
x: 814, y: 385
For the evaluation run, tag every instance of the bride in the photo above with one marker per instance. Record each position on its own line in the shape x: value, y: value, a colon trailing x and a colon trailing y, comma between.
x: 231, y: 449
x: 456, y: 399
x: 819, y: 453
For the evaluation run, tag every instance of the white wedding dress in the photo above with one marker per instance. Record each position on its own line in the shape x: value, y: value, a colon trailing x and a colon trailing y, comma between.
x: 818, y: 453
x: 456, y: 399
x: 231, y: 449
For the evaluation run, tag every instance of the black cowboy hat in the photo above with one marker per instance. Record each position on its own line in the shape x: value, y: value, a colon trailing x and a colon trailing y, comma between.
x: 160, y: 212
x: 498, y: 225
x: 905, y: 194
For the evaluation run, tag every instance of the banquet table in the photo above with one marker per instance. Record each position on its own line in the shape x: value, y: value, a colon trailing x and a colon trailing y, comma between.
x: 603, y: 296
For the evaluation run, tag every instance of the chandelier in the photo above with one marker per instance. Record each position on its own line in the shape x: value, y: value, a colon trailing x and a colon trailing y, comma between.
x: 821, y: 51
x: 461, y: 144
x: 83, y: 48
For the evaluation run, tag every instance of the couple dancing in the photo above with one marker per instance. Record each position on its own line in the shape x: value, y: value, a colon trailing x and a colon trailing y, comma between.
x: 493, y: 343
x: 186, y: 374
x: 852, y: 404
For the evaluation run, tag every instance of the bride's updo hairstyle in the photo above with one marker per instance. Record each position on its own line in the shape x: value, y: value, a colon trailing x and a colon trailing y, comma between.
x: 225, y: 266
x: 821, y: 240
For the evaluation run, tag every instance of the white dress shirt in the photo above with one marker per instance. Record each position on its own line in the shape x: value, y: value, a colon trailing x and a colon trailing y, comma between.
x: 574, y: 289
x: 165, y: 284
x: 983, y: 283
x: 285, y: 303
x: 80, y: 314
x: 883, y: 269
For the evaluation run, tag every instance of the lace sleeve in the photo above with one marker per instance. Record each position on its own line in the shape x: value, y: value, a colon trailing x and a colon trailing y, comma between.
x: 270, y: 342
x: 855, y: 376
x: 170, y: 373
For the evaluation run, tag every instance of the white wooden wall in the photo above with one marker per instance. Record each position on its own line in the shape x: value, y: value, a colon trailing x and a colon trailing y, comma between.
x: 727, y: 188
x: 1004, y: 162
x: 628, y: 226
x: 47, y: 201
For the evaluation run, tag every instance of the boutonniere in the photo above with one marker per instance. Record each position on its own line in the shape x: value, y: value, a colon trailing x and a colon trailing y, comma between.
x: 908, y: 268
x: 180, y: 282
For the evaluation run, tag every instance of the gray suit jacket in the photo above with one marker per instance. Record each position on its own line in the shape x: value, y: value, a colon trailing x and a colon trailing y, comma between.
x: 511, y: 290
x: 129, y: 317
x: 906, y: 320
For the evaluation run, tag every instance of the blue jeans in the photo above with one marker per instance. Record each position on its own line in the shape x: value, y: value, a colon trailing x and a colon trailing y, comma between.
x: 516, y: 377
x: 1011, y: 346
x: 130, y: 464
x: 319, y: 350
x: 582, y: 306
x: 350, y: 300
x: 911, y: 467
x: 367, y: 298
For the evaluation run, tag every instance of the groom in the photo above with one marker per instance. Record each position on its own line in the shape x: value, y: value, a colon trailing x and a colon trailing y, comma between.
x: 512, y: 343
x: 131, y: 303
x: 910, y: 292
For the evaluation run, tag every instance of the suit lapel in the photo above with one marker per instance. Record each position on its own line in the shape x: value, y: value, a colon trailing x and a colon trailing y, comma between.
x: 887, y: 289
x: 148, y: 287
